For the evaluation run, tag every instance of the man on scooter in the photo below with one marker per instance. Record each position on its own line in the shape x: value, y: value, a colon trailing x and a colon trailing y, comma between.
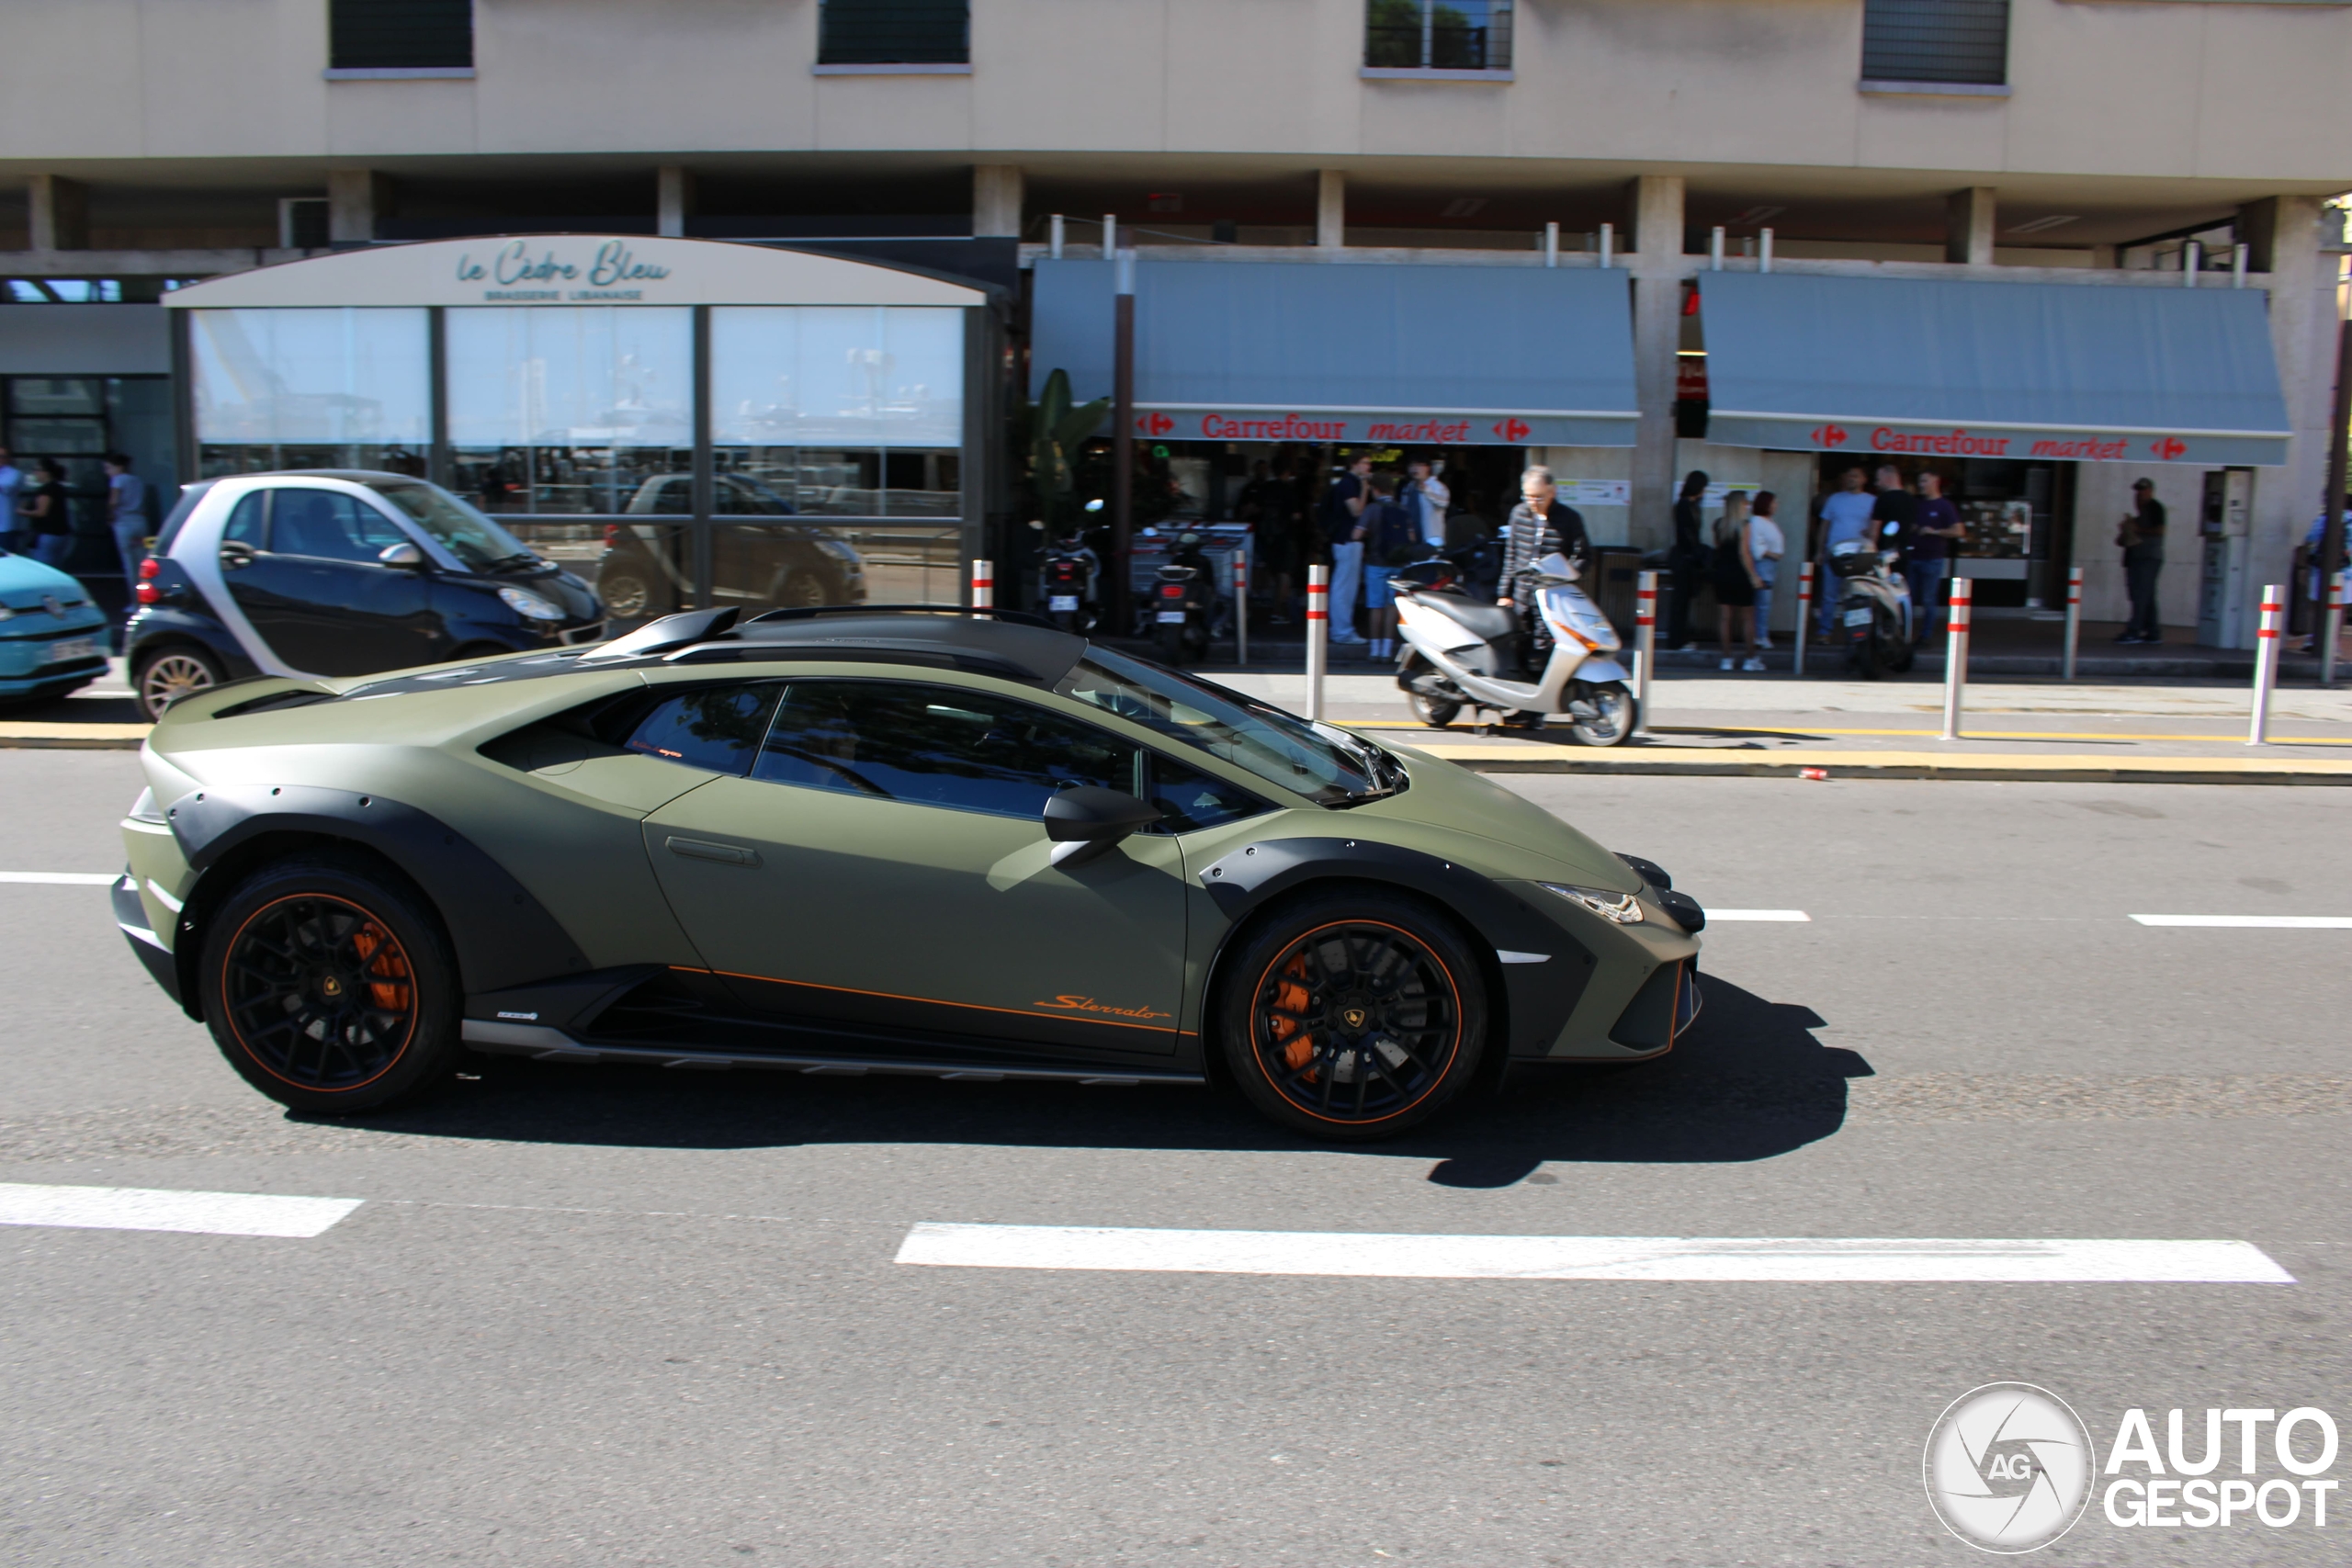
x: 1540, y: 526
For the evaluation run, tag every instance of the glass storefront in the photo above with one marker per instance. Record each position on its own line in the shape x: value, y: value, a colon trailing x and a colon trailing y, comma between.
x: 836, y: 434
x: 2019, y: 517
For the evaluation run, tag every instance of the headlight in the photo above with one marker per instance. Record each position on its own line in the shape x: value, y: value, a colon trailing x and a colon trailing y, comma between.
x: 5, y: 613
x: 1617, y: 909
x: 529, y: 605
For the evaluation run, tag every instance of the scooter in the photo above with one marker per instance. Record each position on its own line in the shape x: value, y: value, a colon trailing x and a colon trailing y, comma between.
x: 1456, y: 651
x: 1873, y: 609
x: 1070, y: 586
x: 1183, y: 603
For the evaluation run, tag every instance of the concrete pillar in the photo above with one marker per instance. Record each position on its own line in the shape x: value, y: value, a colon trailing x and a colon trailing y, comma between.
x: 1658, y: 269
x: 2283, y: 233
x: 1968, y: 226
x: 61, y: 213
x: 997, y: 190
x: 1331, y: 209
x: 673, y: 200
x: 356, y: 199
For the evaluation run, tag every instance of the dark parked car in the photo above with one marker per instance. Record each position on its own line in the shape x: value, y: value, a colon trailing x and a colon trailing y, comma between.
x: 777, y: 562
x: 337, y: 572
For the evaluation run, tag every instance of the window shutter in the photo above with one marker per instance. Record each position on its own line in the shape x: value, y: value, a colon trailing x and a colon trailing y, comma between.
x: 1936, y: 40
x: 894, y: 32
x: 393, y: 35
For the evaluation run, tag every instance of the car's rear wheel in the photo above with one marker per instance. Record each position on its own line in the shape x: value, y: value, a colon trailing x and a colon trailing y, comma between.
x: 164, y: 676
x: 1352, y: 1014
x: 803, y: 589
x: 330, y: 986
x: 628, y: 595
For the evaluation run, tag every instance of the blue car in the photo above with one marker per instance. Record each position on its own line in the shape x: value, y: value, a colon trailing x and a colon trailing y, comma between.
x: 52, y: 639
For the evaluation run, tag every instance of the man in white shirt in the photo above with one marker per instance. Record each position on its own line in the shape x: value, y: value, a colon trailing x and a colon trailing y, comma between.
x: 1426, y: 495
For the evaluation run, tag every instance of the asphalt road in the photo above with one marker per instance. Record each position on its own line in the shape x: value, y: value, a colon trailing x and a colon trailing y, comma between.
x: 592, y: 1316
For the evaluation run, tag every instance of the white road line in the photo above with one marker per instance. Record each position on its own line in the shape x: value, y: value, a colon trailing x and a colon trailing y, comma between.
x: 1714, y: 915
x: 65, y: 878
x: 1795, y: 1259
x: 154, y: 1209
x: 2259, y: 922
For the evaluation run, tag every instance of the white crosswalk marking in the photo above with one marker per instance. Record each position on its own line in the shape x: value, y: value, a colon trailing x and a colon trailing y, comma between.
x: 1715, y: 915
x: 2256, y: 923
x: 1794, y: 1259
x: 65, y: 878
x: 157, y: 1209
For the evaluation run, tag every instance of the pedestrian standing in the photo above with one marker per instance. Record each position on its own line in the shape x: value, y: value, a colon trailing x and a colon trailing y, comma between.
x: 1342, y: 520
x: 2315, y: 564
x: 2142, y: 535
x: 1264, y: 504
x: 1686, y: 561
x: 1733, y: 573
x: 1927, y: 556
x: 46, y: 516
x: 1845, y: 517
x: 1430, y: 499
x: 127, y: 516
x: 1765, y: 545
x: 1392, y: 538
x: 12, y: 480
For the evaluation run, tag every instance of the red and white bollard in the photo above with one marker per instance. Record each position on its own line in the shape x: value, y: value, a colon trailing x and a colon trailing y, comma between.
x: 1318, y: 636
x: 984, y: 585
x: 2331, y: 629
x: 1645, y: 646
x: 1805, y: 614
x: 2073, y: 619
x: 1956, y: 653
x: 1242, y: 606
x: 2266, y: 662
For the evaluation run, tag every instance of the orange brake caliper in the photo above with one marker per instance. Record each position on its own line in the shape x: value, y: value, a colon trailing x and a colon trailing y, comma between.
x: 391, y: 970
x: 1291, y: 997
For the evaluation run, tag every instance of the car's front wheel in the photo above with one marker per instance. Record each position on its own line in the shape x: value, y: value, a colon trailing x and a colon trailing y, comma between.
x: 1352, y: 1014
x: 329, y: 985
x: 164, y: 676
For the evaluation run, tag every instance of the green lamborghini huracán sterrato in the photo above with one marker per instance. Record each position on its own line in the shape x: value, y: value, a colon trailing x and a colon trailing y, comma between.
x: 873, y: 841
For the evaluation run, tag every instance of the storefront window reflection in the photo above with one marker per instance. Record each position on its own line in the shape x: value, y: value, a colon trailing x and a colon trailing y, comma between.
x: 568, y: 409
x: 311, y: 388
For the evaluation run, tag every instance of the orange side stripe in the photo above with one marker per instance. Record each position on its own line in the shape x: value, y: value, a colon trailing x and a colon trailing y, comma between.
x: 929, y: 1001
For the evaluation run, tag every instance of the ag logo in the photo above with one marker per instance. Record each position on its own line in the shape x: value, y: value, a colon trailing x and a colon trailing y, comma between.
x: 2008, y: 1468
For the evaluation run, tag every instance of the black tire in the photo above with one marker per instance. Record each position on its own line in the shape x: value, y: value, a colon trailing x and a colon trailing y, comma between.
x: 1435, y: 712
x: 1172, y: 644
x: 1866, y: 660
x: 176, y: 670
x: 630, y: 594
x: 1352, y: 1014
x: 1902, y: 662
x: 1618, y: 717
x: 330, y: 985
x: 801, y: 590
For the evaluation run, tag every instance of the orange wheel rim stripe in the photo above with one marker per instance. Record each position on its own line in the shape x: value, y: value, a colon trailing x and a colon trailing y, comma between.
x: 1437, y: 1074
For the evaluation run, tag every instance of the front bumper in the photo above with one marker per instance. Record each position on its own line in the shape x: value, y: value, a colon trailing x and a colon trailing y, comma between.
x: 130, y: 916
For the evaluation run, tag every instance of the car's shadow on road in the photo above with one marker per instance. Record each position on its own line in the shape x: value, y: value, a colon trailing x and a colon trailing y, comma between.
x: 1746, y: 1082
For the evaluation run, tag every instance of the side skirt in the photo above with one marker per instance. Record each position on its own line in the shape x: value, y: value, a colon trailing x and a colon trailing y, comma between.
x: 544, y: 1043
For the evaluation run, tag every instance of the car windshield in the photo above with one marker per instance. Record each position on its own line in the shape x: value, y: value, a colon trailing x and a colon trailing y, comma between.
x: 478, y: 544
x: 1328, y: 766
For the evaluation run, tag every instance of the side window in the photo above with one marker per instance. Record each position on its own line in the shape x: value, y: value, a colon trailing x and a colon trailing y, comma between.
x: 329, y: 525
x: 249, y: 523
x: 1192, y: 799
x: 937, y: 746
x: 717, y: 728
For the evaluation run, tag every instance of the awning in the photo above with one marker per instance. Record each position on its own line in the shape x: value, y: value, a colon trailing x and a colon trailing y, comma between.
x: 1351, y: 352
x: 2014, y: 370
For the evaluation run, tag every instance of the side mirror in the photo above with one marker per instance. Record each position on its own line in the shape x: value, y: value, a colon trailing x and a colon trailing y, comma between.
x: 401, y: 555
x: 1086, y: 821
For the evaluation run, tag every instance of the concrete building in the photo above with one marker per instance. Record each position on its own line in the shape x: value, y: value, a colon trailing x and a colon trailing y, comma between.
x: 2061, y: 150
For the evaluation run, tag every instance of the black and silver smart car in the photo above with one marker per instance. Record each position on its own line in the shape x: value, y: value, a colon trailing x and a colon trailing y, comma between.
x: 337, y: 572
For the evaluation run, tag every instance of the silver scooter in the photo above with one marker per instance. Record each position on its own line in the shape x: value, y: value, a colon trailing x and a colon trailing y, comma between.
x: 1455, y: 650
x: 1875, y: 609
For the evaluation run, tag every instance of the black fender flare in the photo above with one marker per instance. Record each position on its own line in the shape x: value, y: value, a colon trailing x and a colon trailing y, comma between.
x: 502, y: 934
x: 1538, y: 997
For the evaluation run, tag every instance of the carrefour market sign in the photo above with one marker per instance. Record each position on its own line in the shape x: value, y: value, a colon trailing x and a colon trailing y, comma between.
x: 1481, y: 427
x: 2019, y: 443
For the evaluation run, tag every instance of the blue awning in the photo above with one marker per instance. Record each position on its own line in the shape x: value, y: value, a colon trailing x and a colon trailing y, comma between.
x: 1351, y: 352
x: 2018, y: 370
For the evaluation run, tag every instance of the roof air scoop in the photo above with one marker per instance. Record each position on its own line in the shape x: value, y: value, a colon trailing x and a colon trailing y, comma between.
x: 669, y: 632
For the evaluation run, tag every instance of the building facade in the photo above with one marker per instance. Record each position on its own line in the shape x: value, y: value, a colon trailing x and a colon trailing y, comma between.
x: 1778, y: 233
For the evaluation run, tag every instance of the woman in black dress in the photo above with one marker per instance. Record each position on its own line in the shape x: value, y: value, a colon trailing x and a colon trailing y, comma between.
x: 1733, y: 575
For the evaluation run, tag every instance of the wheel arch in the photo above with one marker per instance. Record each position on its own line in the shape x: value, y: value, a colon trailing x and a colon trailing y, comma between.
x: 501, y: 933
x: 1531, y: 1002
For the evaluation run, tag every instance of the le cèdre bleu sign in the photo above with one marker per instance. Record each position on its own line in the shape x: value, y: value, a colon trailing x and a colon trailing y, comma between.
x: 536, y: 272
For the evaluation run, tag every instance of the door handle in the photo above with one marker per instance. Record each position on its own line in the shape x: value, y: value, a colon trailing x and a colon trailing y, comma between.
x: 703, y: 849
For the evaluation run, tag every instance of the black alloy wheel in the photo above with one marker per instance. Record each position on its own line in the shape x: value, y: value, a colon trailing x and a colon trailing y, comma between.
x: 1358, y: 1016
x: 328, y: 988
